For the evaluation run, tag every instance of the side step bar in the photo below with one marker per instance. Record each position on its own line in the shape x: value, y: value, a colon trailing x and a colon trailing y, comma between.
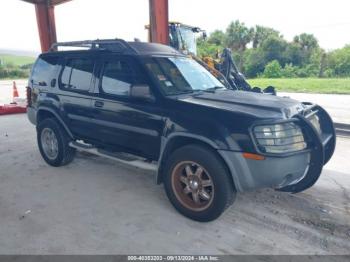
x: 119, y: 157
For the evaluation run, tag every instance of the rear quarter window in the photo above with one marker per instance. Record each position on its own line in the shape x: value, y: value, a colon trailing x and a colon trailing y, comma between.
x: 44, y: 70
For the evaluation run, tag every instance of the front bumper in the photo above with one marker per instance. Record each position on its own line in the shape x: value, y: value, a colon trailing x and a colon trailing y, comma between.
x: 322, y: 147
x: 289, y: 173
x: 273, y: 172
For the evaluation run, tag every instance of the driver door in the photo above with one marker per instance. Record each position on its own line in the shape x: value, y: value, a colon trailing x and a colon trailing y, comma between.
x: 133, y: 125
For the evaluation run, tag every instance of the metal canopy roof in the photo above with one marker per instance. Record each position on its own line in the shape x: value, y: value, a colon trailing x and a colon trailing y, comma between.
x: 49, y: 2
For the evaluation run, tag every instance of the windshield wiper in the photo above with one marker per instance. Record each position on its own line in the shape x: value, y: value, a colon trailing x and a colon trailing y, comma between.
x: 213, y: 89
x: 208, y: 90
x: 184, y: 92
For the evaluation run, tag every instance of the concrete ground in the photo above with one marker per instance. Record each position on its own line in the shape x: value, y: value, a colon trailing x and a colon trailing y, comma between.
x: 96, y: 206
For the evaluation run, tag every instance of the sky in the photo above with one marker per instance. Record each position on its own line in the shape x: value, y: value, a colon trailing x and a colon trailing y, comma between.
x: 328, y: 20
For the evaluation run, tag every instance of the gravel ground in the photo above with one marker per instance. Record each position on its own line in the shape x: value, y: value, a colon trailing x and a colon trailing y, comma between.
x: 96, y: 206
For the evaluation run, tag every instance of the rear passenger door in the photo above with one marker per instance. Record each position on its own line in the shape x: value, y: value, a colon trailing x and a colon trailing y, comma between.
x: 76, y: 81
x: 134, y: 125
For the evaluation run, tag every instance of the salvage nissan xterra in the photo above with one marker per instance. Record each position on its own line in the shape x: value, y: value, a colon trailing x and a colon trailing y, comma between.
x: 149, y: 106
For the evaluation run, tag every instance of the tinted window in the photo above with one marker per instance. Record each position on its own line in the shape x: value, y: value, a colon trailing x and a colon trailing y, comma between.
x: 44, y: 70
x: 77, y: 74
x: 117, y: 78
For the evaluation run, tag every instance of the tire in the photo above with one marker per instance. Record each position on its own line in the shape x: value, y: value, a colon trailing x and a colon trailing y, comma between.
x: 183, y: 187
x: 58, y: 152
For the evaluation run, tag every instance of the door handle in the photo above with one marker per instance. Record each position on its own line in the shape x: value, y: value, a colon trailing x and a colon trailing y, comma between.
x: 53, y: 82
x: 99, y: 104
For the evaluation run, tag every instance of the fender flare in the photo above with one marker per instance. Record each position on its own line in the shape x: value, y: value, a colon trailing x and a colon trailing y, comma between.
x: 165, y: 142
x: 57, y: 116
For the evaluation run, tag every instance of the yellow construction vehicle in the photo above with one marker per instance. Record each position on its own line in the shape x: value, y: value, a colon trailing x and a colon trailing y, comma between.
x: 184, y: 38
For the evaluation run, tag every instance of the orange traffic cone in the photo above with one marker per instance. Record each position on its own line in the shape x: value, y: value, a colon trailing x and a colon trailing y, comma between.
x: 15, y: 91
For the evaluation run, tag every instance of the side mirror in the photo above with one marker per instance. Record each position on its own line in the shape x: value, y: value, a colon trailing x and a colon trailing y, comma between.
x: 142, y: 92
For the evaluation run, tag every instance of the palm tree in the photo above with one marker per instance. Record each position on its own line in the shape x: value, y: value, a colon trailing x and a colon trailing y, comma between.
x: 307, y: 42
x: 238, y: 35
x: 261, y: 33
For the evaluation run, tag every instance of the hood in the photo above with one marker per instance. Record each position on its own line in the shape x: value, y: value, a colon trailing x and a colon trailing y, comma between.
x: 256, y: 104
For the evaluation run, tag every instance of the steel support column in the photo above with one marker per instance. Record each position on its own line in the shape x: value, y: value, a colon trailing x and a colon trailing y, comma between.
x: 159, y: 20
x: 45, y: 15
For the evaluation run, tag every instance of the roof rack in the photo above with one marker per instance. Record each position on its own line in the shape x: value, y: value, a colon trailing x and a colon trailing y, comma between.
x: 115, y: 45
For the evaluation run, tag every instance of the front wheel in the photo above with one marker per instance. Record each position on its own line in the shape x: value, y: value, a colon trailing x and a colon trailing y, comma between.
x: 198, y: 183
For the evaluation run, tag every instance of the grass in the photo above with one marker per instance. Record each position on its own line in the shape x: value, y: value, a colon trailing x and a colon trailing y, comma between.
x: 306, y: 85
x: 16, y: 60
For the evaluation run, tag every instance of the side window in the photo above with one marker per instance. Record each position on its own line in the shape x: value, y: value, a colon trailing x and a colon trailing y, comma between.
x: 44, y: 70
x: 117, y: 78
x: 77, y: 74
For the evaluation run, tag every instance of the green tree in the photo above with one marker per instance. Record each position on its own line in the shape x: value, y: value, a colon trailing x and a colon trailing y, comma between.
x: 254, y: 62
x: 339, y: 61
x: 271, y: 55
x: 274, y: 49
x: 207, y: 49
x: 217, y: 38
x: 260, y: 33
x: 306, y: 41
x: 289, y: 71
x: 307, y: 44
x: 238, y: 35
x: 273, y: 70
x: 317, y: 62
x: 293, y: 54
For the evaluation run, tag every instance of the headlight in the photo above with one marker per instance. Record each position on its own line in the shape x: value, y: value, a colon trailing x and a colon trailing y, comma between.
x: 279, y: 138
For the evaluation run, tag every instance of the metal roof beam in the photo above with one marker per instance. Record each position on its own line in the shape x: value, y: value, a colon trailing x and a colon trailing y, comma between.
x: 45, y: 16
x: 159, y: 21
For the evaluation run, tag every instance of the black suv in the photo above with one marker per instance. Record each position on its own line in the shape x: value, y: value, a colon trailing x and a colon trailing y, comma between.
x: 150, y: 106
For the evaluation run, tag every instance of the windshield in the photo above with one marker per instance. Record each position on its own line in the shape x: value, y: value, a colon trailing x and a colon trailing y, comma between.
x: 188, y: 38
x: 178, y: 75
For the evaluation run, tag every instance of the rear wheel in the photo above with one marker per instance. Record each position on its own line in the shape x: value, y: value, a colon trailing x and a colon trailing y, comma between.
x: 197, y: 183
x: 53, y: 142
